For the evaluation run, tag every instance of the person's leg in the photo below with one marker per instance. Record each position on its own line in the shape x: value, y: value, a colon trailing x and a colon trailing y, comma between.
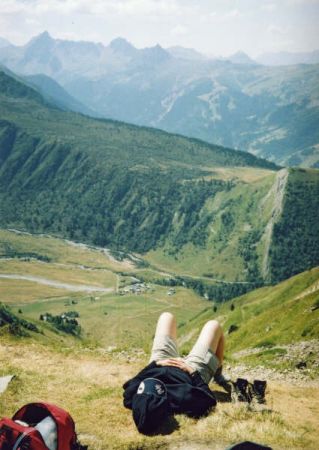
x: 208, y: 352
x: 221, y: 349
x: 212, y: 337
x: 164, y: 344
x: 166, y: 325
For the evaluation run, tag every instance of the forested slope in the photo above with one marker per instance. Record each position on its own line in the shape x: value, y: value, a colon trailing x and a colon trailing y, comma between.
x: 134, y: 188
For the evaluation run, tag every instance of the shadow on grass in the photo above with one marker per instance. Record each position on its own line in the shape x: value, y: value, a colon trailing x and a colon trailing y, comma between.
x: 168, y: 427
x: 222, y: 397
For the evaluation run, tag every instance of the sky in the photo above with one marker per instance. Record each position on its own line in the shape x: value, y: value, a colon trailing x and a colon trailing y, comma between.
x: 213, y: 27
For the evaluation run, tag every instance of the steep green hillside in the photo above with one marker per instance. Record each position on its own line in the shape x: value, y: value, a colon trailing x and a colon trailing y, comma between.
x: 202, y: 209
x: 265, y: 229
x: 269, y: 319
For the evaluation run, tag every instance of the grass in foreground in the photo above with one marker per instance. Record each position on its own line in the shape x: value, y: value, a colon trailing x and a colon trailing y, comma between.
x: 88, y: 384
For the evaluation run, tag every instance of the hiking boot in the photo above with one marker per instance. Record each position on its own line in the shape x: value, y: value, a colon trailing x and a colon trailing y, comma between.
x: 239, y: 391
x: 221, y: 380
x: 257, y: 391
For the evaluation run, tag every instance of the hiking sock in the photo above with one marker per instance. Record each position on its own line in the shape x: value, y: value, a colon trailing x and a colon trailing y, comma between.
x: 221, y: 380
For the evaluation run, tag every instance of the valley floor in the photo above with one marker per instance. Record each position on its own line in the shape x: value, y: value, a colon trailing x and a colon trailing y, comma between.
x: 87, y: 382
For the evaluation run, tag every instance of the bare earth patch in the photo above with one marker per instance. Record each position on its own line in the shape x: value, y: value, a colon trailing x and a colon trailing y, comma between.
x: 304, y: 356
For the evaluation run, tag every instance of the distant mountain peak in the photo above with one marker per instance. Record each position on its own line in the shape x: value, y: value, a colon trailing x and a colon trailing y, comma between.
x: 160, y: 50
x: 241, y: 57
x: 42, y: 39
x: 185, y: 53
x: 45, y: 36
x: 156, y: 54
x: 240, y: 53
x: 4, y: 43
x: 121, y: 45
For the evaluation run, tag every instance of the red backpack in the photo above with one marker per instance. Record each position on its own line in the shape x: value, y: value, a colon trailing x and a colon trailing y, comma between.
x: 17, y: 436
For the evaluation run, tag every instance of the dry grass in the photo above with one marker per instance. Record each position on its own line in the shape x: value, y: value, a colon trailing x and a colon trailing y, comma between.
x: 61, y: 251
x: 88, y: 384
x: 22, y: 291
x: 246, y: 174
x: 62, y: 273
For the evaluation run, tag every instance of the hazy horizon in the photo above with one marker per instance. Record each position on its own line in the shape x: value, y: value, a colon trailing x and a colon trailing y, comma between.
x: 212, y: 27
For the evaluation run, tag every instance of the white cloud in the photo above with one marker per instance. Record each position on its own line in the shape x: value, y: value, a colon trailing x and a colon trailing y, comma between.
x: 144, y: 7
x: 274, y: 29
x: 179, y: 30
x: 205, y: 18
x: 234, y: 13
x: 40, y: 7
x: 96, y: 7
x: 32, y: 21
x: 66, y: 7
x: 70, y: 36
x: 269, y: 7
x: 12, y: 7
x: 225, y: 16
x: 301, y: 2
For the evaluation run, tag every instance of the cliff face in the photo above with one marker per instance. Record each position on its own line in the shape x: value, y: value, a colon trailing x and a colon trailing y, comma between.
x: 277, y: 192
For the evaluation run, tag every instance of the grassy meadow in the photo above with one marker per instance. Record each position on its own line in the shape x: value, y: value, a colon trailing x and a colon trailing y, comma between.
x: 108, y: 319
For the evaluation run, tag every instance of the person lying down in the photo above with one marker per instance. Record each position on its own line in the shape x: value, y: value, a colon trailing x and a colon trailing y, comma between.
x: 170, y: 384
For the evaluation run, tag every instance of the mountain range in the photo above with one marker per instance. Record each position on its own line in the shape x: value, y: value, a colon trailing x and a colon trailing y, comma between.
x: 193, y: 207
x: 272, y: 112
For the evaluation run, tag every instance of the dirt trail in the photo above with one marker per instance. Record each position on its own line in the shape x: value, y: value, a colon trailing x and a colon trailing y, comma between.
x: 310, y: 290
x: 56, y: 284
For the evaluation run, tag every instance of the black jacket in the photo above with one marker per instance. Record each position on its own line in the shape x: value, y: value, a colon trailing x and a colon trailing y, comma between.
x: 187, y: 394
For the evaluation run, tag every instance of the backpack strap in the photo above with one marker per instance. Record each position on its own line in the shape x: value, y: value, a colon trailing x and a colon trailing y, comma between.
x: 11, y: 435
x: 20, y: 439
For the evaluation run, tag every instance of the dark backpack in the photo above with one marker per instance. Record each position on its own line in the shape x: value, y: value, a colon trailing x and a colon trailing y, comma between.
x: 16, y: 436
